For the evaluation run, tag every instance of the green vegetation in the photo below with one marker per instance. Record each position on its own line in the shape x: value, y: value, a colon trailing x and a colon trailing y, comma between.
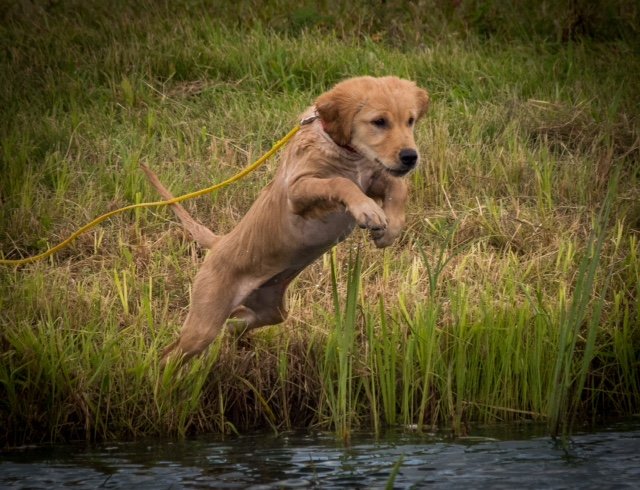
x: 513, y: 294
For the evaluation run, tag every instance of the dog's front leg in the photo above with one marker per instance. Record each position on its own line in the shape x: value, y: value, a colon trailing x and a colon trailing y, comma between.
x: 308, y: 192
x: 393, y: 192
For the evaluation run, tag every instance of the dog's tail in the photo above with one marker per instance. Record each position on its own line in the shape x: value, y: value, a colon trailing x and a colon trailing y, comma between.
x: 200, y: 233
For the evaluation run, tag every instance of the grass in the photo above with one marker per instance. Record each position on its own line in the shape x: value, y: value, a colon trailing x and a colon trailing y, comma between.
x: 571, y: 325
x: 512, y: 294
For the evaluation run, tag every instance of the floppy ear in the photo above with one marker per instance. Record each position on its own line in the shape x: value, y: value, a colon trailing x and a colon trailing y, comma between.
x: 336, y: 109
x: 423, y: 101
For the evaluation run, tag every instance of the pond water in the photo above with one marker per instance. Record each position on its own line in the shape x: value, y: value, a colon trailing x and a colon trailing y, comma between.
x: 491, y: 458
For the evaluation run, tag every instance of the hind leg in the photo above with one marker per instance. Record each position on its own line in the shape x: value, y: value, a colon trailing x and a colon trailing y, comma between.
x: 264, y: 306
x: 214, y: 297
x: 200, y: 328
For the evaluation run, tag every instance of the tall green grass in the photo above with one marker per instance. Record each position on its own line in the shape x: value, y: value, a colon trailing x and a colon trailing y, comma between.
x: 569, y: 373
x: 338, y: 368
x: 513, y: 293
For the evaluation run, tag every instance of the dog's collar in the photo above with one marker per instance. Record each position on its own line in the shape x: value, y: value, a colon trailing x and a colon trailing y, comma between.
x: 314, y: 116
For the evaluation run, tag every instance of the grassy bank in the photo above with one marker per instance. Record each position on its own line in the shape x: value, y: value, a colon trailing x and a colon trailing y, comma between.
x: 513, y: 294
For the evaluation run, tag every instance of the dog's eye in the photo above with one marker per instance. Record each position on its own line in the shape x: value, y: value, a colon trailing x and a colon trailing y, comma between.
x: 381, y: 122
x: 411, y: 121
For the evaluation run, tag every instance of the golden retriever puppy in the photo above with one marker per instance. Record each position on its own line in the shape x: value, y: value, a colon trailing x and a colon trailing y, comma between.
x: 345, y: 167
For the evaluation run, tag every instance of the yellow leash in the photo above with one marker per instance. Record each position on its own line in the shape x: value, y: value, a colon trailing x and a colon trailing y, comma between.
x: 191, y: 195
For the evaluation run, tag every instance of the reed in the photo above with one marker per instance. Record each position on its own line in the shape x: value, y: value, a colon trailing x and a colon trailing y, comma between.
x: 570, y: 373
x: 338, y: 366
x: 513, y: 294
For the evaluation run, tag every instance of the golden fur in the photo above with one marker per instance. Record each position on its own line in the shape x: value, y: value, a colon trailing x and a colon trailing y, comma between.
x: 343, y: 168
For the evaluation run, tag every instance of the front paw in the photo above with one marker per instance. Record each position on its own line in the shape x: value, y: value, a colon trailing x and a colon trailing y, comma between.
x: 383, y: 239
x: 369, y: 215
x: 386, y: 237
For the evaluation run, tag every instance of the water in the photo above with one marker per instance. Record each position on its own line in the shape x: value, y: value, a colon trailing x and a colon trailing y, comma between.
x: 494, y: 458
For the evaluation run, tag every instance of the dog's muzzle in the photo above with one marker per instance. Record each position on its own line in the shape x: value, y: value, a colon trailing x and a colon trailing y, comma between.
x: 407, y: 158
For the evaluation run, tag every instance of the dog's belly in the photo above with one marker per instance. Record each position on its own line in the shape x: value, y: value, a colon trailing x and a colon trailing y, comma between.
x: 312, y: 237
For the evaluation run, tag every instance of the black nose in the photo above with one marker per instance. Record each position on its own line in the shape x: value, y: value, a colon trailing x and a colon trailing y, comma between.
x: 408, y: 157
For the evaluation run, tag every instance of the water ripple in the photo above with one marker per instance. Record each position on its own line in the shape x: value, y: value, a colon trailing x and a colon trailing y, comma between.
x: 307, y: 460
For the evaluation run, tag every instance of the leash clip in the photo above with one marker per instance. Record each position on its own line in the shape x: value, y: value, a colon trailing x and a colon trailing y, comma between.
x: 309, y: 119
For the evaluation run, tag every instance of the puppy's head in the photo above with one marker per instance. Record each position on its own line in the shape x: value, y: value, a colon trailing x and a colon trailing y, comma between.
x: 375, y: 117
